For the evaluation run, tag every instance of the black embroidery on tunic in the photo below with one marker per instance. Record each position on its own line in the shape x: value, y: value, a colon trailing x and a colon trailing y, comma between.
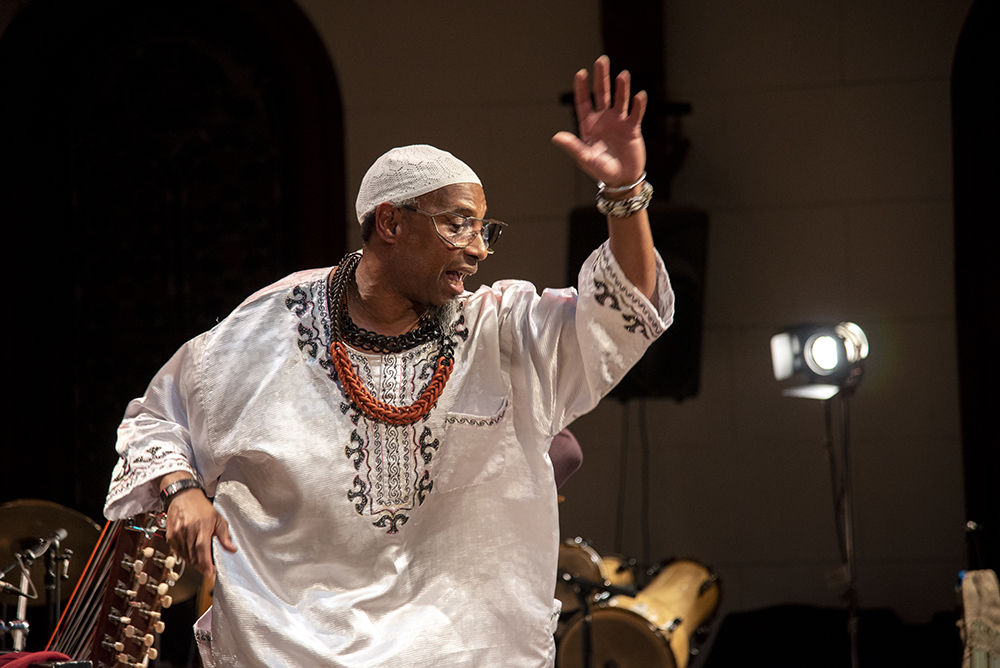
x: 603, y: 294
x: 356, y: 454
x: 391, y: 520
x: 478, y: 422
x: 355, y: 415
x: 460, y: 328
x: 392, y: 478
x: 635, y: 323
x: 359, y: 495
x: 424, y: 486
x: 298, y: 301
x: 622, y: 299
x: 308, y: 338
x: 426, y: 446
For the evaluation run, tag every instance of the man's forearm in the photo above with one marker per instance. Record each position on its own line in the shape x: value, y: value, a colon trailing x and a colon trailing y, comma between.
x: 631, y: 242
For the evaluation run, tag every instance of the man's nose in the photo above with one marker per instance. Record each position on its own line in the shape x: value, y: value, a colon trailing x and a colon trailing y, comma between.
x: 478, y: 247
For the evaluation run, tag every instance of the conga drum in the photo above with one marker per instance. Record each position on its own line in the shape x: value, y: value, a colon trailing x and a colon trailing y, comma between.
x: 650, y: 630
x: 579, y: 560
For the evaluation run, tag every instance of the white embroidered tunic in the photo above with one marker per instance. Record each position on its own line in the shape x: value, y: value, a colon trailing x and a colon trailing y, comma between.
x: 364, y: 544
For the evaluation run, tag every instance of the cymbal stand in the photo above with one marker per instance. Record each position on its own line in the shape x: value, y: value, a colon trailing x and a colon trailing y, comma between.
x: 584, y: 590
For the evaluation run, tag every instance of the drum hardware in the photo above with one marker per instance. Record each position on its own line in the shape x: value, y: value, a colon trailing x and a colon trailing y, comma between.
x: 651, y: 629
x: 655, y: 569
x: 707, y: 584
x: 585, y: 591
x: 577, y: 558
x: 32, y: 529
x: 56, y: 566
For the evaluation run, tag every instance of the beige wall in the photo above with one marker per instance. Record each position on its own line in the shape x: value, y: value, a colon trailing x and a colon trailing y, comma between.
x: 821, y: 149
x: 481, y: 80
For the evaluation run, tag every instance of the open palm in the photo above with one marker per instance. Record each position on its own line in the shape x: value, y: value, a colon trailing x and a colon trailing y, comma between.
x: 610, y: 147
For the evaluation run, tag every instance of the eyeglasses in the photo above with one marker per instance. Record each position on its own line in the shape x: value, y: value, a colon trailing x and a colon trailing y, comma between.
x: 460, y: 231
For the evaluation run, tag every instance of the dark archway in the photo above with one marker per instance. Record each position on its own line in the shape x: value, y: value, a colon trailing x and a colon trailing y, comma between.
x: 159, y: 161
x: 975, y: 94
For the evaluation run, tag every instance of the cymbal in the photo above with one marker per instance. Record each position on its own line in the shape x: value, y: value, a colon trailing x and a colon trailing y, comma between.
x: 24, y: 521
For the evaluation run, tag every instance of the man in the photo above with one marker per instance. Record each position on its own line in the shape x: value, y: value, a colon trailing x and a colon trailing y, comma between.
x: 375, y: 437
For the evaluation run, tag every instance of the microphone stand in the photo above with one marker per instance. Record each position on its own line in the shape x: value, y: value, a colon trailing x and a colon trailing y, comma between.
x: 584, y: 590
x: 52, y: 586
x: 20, y: 627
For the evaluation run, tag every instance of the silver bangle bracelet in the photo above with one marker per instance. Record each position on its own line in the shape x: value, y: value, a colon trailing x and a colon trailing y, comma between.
x: 626, y: 207
x: 604, y: 188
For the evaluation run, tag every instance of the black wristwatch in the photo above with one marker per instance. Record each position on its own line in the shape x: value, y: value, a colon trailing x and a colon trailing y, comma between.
x: 168, y: 493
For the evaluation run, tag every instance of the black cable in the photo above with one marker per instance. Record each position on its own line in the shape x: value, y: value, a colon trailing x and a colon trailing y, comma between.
x: 622, y: 480
x: 644, y: 512
x: 836, y: 481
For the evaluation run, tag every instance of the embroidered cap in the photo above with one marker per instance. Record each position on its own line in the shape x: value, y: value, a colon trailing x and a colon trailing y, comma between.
x: 410, y: 171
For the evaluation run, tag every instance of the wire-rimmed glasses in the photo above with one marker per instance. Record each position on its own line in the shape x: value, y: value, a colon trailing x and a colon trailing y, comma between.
x: 460, y: 231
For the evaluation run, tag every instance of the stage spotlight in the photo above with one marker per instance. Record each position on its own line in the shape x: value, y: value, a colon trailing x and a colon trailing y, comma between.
x: 819, y: 360
x: 824, y: 362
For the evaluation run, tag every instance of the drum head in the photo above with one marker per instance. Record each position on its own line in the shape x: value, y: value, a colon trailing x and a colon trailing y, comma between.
x: 620, y: 638
x: 581, y: 561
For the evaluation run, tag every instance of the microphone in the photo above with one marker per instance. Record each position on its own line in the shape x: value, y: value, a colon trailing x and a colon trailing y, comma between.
x: 44, y: 544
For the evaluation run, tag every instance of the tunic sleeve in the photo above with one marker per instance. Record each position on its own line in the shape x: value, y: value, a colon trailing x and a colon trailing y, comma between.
x: 157, y: 436
x: 569, y: 349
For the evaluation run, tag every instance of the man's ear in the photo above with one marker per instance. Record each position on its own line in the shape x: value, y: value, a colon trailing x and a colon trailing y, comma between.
x: 386, y: 222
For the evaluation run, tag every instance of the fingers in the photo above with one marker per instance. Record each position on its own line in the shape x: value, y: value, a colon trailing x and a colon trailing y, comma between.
x: 623, y: 83
x: 569, y: 142
x: 202, y: 554
x: 581, y: 94
x: 638, y: 108
x: 602, y: 92
x: 602, y: 83
x: 192, y: 522
x: 222, y: 533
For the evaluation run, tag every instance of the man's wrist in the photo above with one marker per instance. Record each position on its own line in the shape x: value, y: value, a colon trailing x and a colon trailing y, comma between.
x: 172, y: 489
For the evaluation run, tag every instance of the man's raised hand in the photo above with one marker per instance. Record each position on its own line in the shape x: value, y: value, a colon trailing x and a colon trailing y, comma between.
x: 610, y: 147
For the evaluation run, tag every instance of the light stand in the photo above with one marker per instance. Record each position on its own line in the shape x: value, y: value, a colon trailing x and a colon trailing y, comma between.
x: 826, y: 362
x: 844, y: 503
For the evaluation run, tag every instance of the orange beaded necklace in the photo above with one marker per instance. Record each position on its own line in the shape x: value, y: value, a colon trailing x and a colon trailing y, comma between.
x: 354, y: 389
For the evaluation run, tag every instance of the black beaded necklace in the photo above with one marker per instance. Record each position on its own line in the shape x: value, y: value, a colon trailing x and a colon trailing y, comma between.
x: 344, y: 329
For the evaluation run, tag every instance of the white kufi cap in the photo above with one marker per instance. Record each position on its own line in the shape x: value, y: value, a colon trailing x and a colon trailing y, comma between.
x: 410, y: 171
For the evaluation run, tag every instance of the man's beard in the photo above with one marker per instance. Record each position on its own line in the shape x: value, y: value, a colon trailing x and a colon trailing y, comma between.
x: 445, y: 314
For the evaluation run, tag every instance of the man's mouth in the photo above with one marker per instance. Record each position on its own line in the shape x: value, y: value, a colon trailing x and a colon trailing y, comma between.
x: 457, y: 278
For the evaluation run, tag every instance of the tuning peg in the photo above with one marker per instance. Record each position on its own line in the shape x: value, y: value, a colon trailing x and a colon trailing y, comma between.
x: 149, y: 613
x: 134, y: 565
x: 111, y: 645
x: 123, y: 592
x: 118, y: 618
x: 137, y: 636
x: 167, y: 561
x: 128, y: 661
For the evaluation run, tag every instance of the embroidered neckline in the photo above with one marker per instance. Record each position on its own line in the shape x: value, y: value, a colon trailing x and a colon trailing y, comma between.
x: 342, y: 328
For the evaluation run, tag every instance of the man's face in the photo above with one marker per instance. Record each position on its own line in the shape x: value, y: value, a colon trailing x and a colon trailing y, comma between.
x: 430, y: 271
